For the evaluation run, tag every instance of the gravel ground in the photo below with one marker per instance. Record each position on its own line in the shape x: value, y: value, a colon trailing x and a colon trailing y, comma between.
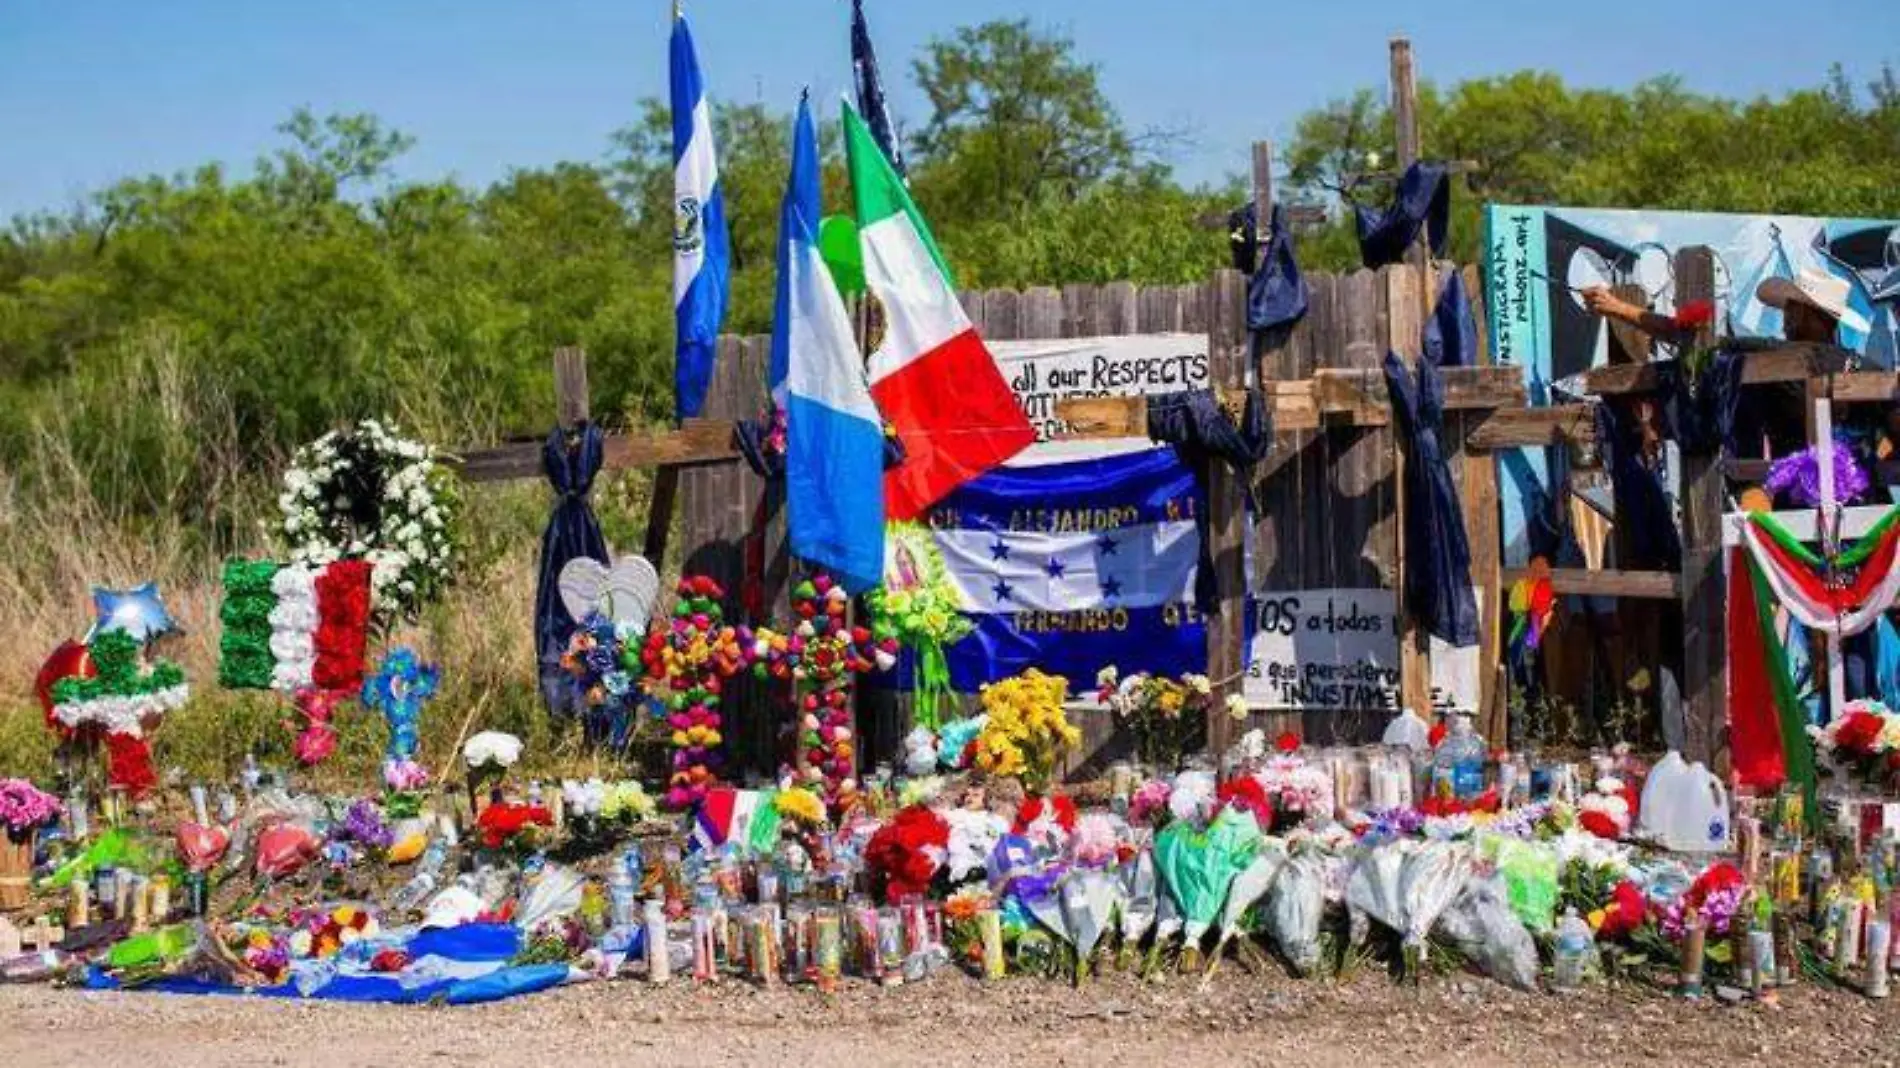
x: 953, y: 1021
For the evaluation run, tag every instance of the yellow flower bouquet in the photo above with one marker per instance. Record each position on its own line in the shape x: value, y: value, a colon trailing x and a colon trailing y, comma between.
x: 1026, y: 732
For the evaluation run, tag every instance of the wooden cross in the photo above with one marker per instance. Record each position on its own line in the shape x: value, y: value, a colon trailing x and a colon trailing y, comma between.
x: 694, y: 442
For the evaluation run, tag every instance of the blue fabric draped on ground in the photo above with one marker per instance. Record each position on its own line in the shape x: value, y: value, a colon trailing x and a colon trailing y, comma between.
x: 469, y: 964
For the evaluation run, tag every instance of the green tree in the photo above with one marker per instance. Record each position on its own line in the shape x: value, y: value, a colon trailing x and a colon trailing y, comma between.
x: 1826, y: 151
x: 1016, y: 119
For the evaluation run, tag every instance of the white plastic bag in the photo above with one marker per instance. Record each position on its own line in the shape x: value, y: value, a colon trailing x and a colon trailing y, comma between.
x: 1485, y: 929
x: 1296, y: 903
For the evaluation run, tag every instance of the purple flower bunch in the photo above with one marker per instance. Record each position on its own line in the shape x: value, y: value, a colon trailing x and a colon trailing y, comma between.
x: 1718, y: 912
x: 1393, y: 823
x: 363, y: 824
x: 1800, y: 475
x: 24, y: 806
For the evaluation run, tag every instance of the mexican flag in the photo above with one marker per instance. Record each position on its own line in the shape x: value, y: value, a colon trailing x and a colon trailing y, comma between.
x: 931, y: 375
x: 290, y: 627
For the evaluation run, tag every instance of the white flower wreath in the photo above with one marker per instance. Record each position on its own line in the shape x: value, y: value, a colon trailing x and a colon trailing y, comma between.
x: 368, y: 493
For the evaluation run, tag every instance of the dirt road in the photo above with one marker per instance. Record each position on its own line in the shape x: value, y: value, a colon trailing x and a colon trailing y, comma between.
x: 952, y: 1021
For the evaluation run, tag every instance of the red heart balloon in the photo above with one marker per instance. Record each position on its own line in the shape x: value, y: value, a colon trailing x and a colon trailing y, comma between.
x: 202, y: 846
x: 284, y: 849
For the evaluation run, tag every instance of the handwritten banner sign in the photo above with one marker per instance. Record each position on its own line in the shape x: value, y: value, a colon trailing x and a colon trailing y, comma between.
x: 1044, y: 373
x: 1338, y: 650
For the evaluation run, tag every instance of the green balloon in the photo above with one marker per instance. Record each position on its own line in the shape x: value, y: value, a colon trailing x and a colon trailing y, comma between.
x: 838, y: 244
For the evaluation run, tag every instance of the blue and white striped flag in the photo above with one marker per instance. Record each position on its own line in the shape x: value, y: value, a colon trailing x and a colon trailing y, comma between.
x: 702, y: 255
x: 834, y: 451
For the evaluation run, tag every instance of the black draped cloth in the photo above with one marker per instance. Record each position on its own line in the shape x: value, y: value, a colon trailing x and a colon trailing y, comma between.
x: 1276, y: 292
x: 572, y: 532
x: 1199, y: 429
x: 1642, y: 508
x: 1438, y: 555
x: 1423, y: 199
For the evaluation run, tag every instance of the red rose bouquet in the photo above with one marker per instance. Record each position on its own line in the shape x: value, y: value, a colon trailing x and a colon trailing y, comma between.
x: 906, y: 853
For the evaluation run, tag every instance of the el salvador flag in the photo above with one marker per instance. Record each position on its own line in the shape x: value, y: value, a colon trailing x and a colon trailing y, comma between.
x: 702, y: 256
x: 834, y: 463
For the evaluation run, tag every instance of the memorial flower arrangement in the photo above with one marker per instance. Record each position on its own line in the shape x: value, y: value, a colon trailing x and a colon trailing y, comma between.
x: 603, y: 667
x: 1162, y: 713
x: 1799, y: 475
x: 320, y: 934
x: 919, y: 606
x: 507, y: 824
x: 687, y: 658
x: 627, y: 802
x: 265, y: 953
x: 24, y: 807
x: 820, y: 658
x: 801, y: 806
x: 1294, y: 785
x: 1026, y: 733
x: 1609, y: 810
x: 367, y: 493
x: 1716, y: 895
x: 316, y: 737
x: 1863, y: 740
x: 906, y: 853
x: 399, y: 689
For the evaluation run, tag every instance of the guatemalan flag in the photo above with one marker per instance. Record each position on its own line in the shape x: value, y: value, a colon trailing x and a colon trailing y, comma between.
x: 702, y: 256
x: 834, y: 451
x: 1073, y: 567
x: 931, y: 374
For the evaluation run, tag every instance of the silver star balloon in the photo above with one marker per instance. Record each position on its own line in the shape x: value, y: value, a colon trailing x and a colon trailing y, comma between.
x: 138, y: 612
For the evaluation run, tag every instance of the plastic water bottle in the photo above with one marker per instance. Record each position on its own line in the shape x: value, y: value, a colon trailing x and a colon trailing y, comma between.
x: 623, y: 897
x: 1458, y: 766
x: 428, y: 873
x: 1574, y: 945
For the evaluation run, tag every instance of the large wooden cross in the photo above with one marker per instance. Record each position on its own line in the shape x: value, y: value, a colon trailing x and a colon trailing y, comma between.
x: 694, y: 442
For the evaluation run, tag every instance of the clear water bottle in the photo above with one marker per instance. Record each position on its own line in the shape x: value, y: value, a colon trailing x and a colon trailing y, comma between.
x: 1575, y: 945
x: 428, y: 874
x: 1458, y: 765
x: 623, y: 897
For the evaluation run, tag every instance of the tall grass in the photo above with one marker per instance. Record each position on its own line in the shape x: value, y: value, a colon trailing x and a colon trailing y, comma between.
x: 148, y: 473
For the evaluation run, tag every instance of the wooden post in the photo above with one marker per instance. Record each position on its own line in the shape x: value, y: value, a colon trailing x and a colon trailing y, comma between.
x: 571, y: 405
x: 1228, y: 354
x: 1477, y: 473
x: 1704, y: 623
x: 1415, y: 689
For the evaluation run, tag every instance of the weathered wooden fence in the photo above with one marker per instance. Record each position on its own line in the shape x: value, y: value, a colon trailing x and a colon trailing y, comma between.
x: 1327, y: 498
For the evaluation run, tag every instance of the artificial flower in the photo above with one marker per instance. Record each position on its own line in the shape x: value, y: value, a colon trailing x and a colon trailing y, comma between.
x: 1622, y: 915
x: 906, y: 853
x: 492, y: 749
x: 1245, y: 793
x: 500, y: 823
x: 802, y: 806
x: 24, y: 806
x: 1058, y: 810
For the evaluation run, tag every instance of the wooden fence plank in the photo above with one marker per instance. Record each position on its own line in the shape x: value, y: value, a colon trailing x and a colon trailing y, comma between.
x: 1041, y: 313
x: 1002, y: 314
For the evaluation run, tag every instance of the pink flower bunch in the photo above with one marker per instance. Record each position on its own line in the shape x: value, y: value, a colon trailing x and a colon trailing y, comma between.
x: 24, y: 806
x: 1150, y: 803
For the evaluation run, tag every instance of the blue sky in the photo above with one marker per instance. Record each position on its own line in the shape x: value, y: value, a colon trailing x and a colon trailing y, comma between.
x: 94, y: 90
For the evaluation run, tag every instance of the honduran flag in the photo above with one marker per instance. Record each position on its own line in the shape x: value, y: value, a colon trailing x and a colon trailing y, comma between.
x: 834, y: 452
x: 1074, y: 567
x: 290, y: 627
x: 931, y: 375
x: 702, y: 257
